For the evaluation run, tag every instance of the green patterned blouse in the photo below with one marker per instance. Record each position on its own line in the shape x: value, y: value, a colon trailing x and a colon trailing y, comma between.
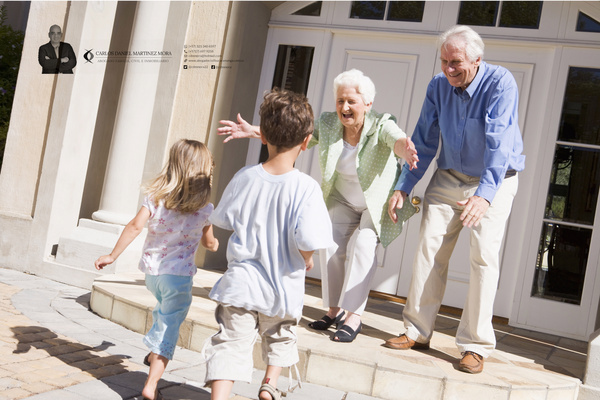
x: 376, y: 164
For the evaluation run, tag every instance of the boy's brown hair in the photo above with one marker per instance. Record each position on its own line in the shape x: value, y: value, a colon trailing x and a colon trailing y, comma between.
x: 286, y: 118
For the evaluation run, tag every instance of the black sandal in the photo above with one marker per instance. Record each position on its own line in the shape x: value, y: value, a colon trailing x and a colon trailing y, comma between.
x: 346, y: 334
x: 324, y: 323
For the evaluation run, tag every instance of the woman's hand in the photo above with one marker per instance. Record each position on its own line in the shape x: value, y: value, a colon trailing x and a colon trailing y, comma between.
x: 238, y: 131
x: 396, y: 202
x: 405, y: 148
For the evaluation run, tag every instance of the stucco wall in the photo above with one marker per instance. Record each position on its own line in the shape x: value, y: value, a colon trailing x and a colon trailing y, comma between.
x: 236, y: 92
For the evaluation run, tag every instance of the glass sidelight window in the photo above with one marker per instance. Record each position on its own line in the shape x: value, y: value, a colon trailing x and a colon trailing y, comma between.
x: 292, y: 72
x: 572, y: 196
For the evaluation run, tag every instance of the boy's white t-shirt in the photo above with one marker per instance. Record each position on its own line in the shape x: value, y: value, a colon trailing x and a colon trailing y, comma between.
x: 272, y: 217
x: 172, y: 239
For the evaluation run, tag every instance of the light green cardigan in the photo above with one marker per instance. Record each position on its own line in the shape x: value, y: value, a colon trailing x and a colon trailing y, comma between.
x: 376, y: 163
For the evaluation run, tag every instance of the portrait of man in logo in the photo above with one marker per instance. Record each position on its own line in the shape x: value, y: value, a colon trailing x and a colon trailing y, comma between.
x: 56, y: 57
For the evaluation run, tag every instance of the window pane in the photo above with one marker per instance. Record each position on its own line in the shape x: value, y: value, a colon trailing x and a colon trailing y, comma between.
x: 292, y: 68
x: 580, y: 119
x: 411, y: 11
x: 311, y: 10
x: 561, y: 263
x: 574, y: 183
x: 482, y: 13
x: 521, y: 14
x: 585, y: 23
x: 367, y: 9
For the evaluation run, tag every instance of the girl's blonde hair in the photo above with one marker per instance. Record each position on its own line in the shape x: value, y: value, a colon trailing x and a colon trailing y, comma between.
x: 185, y: 182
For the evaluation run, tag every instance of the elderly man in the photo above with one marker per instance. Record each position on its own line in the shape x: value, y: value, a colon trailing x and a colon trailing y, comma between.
x: 56, y: 57
x: 472, y: 105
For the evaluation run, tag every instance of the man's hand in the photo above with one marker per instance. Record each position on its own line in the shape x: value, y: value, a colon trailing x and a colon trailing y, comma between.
x: 64, y: 60
x: 475, y: 209
x: 396, y: 202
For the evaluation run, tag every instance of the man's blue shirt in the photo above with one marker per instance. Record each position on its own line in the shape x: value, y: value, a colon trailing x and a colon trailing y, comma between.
x: 479, y: 130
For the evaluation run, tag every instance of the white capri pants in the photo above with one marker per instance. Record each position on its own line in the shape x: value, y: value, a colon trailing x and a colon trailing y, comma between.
x: 440, y: 228
x: 229, y: 352
x: 350, y: 269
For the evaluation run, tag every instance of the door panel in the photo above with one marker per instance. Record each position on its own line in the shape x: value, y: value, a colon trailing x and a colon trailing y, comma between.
x: 559, y: 292
x: 399, y: 68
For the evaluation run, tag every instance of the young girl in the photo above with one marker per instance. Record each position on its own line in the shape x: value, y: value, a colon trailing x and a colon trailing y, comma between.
x: 176, y: 208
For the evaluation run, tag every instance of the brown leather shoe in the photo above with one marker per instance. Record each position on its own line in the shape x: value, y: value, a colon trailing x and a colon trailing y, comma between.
x: 403, y: 342
x: 471, y: 363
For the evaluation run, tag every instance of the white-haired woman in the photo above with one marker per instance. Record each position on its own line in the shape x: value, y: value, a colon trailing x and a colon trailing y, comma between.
x: 358, y: 151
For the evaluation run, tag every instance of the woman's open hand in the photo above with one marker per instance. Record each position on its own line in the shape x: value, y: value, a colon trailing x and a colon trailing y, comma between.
x: 396, y: 202
x: 239, y: 130
x: 405, y: 148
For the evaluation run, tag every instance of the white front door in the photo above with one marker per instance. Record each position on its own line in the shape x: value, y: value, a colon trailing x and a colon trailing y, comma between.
x: 400, y: 68
x: 560, y: 285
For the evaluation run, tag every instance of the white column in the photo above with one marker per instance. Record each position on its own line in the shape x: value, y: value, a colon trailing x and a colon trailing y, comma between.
x: 75, y: 99
x: 121, y: 191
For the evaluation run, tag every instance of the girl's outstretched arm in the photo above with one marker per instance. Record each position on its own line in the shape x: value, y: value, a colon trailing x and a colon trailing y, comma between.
x: 209, y: 241
x: 131, y: 231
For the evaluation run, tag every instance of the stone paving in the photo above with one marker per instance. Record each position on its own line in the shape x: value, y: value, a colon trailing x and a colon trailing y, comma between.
x: 53, y: 347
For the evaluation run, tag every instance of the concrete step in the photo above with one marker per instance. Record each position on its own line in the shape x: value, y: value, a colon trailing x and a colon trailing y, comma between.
x: 526, y: 365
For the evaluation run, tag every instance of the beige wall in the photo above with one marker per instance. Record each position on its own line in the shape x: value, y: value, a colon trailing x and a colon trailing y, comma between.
x: 236, y: 92
x: 27, y: 137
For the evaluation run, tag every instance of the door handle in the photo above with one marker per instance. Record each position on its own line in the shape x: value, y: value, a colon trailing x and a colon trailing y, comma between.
x: 416, y: 200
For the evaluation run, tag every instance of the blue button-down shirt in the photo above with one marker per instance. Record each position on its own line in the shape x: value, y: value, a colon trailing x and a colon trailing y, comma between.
x: 479, y: 130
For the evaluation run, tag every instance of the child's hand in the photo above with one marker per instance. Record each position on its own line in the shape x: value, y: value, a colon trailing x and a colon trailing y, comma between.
x: 104, y: 261
x: 215, y: 245
x: 309, y: 263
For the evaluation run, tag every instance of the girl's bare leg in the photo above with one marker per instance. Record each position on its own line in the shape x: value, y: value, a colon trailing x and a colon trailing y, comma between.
x: 158, y: 364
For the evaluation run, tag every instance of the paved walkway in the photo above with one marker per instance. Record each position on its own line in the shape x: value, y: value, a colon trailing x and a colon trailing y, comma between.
x: 53, y: 347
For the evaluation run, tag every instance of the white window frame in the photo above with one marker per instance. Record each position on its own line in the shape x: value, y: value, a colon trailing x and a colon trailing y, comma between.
x: 589, y: 8
x: 551, y: 13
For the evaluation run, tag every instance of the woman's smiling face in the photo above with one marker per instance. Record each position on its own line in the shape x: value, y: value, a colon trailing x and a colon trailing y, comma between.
x: 350, y: 107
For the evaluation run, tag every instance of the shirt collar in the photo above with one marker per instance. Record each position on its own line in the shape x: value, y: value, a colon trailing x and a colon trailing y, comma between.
x: 475, y: 83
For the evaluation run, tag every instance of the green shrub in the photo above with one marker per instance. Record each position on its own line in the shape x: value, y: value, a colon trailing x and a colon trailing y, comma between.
x: 11, y: 46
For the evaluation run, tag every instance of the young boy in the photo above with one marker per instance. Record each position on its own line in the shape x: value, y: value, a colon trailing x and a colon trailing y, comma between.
x: 278, y: 217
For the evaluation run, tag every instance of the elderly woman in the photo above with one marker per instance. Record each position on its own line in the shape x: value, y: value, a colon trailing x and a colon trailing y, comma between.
x: 358, y: 150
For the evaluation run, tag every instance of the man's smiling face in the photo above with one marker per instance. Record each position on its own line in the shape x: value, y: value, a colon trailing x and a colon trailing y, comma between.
x: 459, y: 70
